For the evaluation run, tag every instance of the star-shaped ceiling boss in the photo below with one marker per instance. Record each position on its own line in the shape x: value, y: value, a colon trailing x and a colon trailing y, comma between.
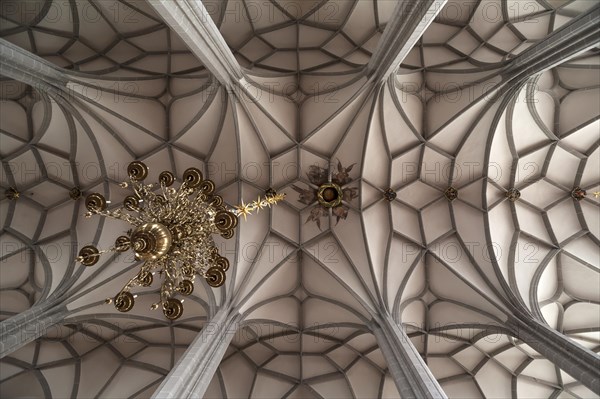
x: 330, y: 192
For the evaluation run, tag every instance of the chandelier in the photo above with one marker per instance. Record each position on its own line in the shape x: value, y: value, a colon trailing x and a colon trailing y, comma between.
x: 172, y: 233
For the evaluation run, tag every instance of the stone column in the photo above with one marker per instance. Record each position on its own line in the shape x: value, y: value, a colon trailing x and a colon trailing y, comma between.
x: 575, y: 360
x: 408, y: 369
x: 194, y: 25
x: 573, y: 38
x: 194, y: 371
x: 579, y: 35
x: 27, y: 326
x: 407, y: 25
x: 21, y: 65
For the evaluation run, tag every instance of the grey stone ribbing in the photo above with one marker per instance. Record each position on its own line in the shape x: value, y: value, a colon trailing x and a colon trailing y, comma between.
x: 28, y: 326
x: 19, y: 64
x: 403, y: 30
x: 410, y: 373
x: 575, y: 360
x: 194, y: 371
x: 194, y: 25
x: 573, y: 38
x: 579, y: 35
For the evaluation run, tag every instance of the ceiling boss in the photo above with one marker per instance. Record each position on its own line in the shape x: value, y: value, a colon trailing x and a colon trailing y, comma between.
x: 171, y: 233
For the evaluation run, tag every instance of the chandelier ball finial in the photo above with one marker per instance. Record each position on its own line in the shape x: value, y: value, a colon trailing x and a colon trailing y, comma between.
x: 122, y: 243
x: 185, y: 287
x: 151, y: 241
x: 192, y: 177
x: 88, y: 255
x: 167, y: 178
x: 225, y: 221
x: 173, y: 309
x: 215, y: 276
x: 131, y: 203
x: 137, y: 171
x: 124, y: 301
x: 207, y: 187
x: 95, y: 202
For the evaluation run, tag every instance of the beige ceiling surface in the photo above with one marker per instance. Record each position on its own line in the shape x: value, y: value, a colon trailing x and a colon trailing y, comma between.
x: 307, y: 291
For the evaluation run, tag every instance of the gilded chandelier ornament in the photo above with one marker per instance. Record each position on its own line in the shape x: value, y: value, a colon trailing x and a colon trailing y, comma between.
x: 172, y: 233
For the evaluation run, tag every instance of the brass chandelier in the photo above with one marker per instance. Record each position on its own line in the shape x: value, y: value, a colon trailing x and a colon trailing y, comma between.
x: 172, y: 233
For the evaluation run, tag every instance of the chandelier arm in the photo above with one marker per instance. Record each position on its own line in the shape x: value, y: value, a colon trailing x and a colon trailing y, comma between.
x: 163, y: 189
x: 168, y: 286
x: 120, y: 215
x: 115, y: 248
x: 166, y: 290
x: 129, y: 284
x: 117, y: 214
x: 138, y: 188
x: 152, y: 209
x: 126, y: 288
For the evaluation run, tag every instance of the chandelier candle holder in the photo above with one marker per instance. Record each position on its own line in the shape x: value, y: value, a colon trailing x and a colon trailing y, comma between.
x: 172, y: 233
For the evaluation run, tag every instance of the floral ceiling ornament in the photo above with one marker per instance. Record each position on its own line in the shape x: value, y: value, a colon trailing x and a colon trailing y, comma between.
x: 12, y: 194
x: 513, y: 194
x: 330, y: 193
x: 172, y: 234
x: 451, y: 193
x: 578, y: 193
x: 75, y: 193
x: 390, y: 194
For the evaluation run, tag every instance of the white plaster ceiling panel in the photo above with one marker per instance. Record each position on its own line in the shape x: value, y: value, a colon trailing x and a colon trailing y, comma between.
x: 550, y: 243
x: 38, y: 230
x: 272, y: 114
x: 120, y: 38
x: 97, y: 357
x: 487, y: 363
x: 484, y: 34
x: 265, y: 360
x: 301, y: 37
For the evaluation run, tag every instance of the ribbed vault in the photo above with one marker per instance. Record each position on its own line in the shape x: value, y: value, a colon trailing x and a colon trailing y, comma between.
x: 301, y: 37
x: 309, y: 285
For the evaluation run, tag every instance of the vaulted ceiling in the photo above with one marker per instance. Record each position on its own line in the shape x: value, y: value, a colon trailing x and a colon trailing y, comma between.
x: 307, y: 291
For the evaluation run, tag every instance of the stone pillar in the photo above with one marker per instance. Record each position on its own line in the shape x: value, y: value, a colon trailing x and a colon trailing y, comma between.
x: 28, y: 326
x: 194, y: 25
x: 575, y: 360
x: 194, y: 371
x: 21, y: 65
x: 403, y: 30
x: 579, y: 35
x: 408, y: 369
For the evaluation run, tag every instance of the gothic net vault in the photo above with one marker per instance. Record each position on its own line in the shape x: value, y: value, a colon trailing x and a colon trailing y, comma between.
x: 463, y: 260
